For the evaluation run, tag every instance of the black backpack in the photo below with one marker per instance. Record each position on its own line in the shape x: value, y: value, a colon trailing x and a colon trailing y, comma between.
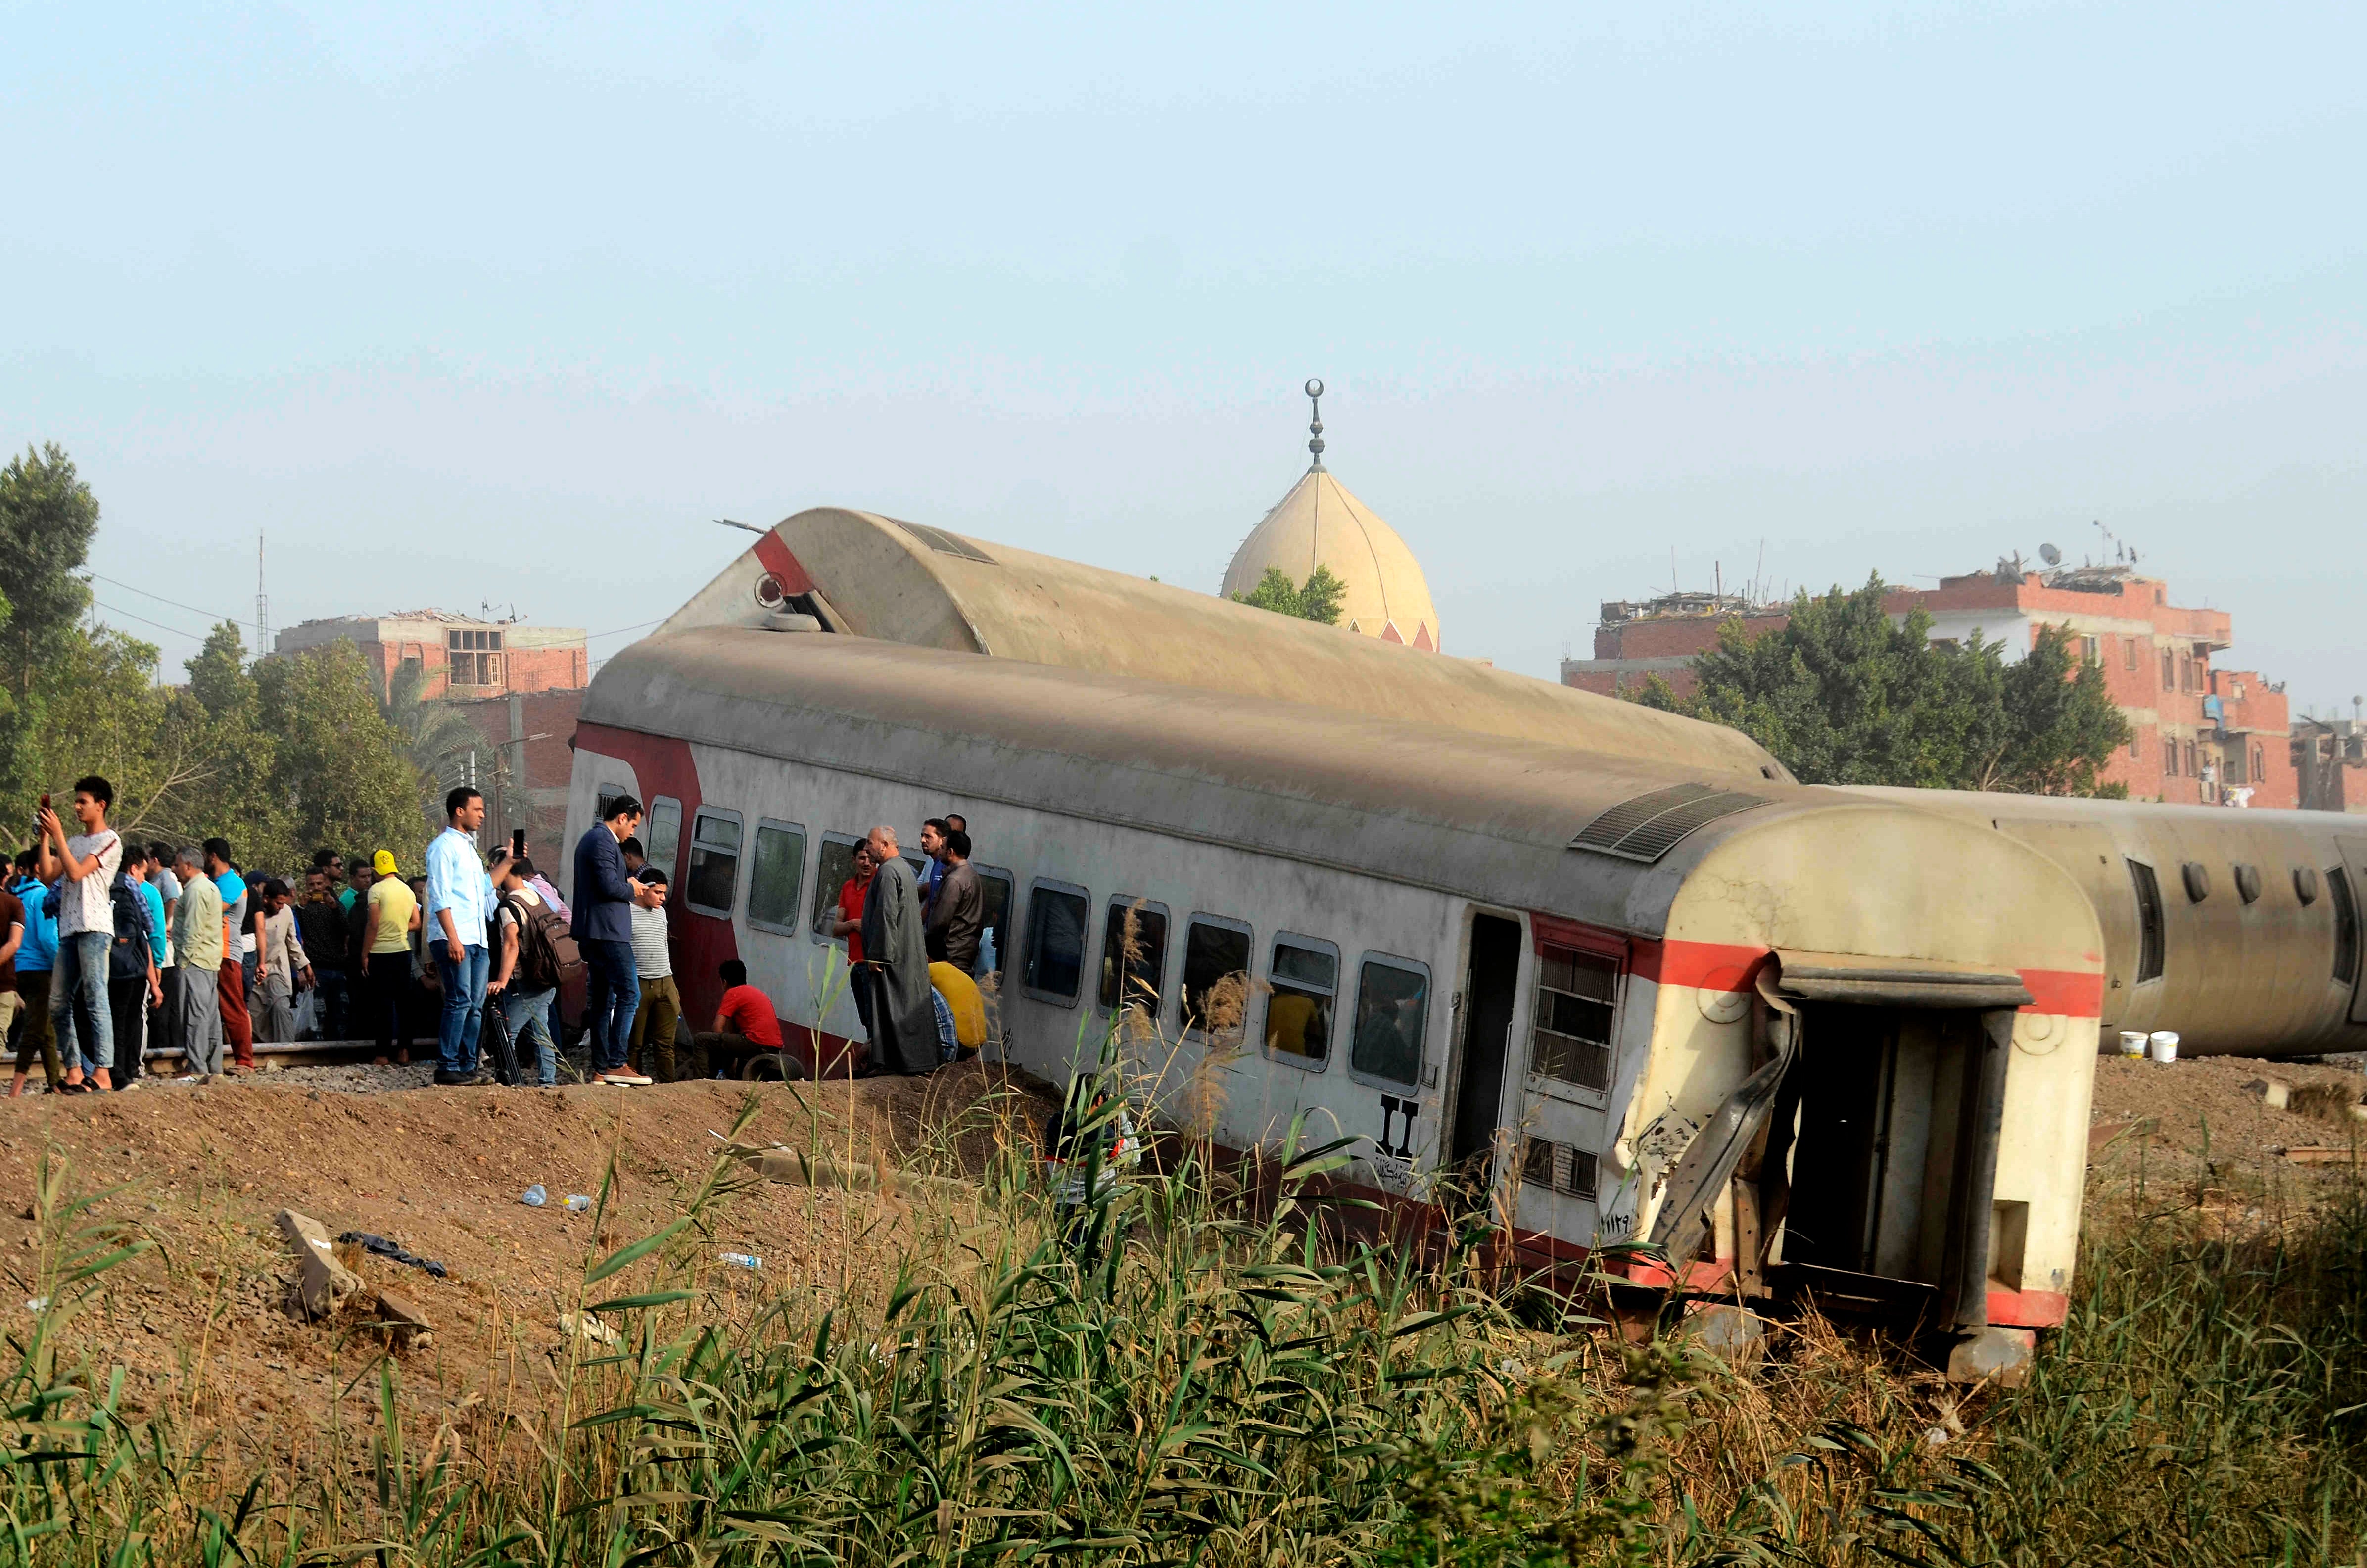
x: 548, y: 956
x: 129, y: 957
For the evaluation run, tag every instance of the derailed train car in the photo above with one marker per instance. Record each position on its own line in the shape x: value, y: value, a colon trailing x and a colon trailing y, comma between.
x: 2240, y: 929
x: 1801, y: 1038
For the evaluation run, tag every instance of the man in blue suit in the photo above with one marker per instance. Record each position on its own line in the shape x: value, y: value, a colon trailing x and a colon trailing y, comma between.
x: 603, y: 929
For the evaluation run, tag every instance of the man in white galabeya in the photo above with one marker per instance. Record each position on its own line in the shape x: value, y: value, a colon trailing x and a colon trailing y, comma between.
x: 83, y: 867
x: 459, y: 902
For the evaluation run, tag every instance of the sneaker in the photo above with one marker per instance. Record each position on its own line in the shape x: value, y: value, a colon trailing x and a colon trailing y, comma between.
x: 449, y: 1080
x: 627, y: 1077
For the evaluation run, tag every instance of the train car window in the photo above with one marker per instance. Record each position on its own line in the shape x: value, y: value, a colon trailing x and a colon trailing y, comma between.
x: 1303, y: 981
x: 832, y: 868
x: 714, y: 862
x: 2149, y: 931
x: 1578, y: 997
x: 2305, y: 879
x: 607, y: 795
x: 777, y: 877
x: 1392, y: 1015
x: 1054, y: 966
x: 994, y: 931
x: 2197, y: 878
x: 2248, y: 883
x: 662, y: 834
x: 1133, y: 955
x: 1216, y: 951
x: 2346, y: 928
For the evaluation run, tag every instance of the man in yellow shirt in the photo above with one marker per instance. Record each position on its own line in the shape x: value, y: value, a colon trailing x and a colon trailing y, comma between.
x: 386, y: 944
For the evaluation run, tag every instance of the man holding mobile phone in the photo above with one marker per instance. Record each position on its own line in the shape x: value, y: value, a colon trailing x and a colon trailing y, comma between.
x: 85, y: 866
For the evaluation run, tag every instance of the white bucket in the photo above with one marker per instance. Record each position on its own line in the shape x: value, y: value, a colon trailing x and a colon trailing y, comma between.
x: 2163, y: 1046
x: 2133, y: 1042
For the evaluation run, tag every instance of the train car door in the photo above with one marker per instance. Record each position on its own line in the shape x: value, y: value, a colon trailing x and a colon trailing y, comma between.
x: 1491, y: 993
x: 2354, y: 857
x: 2087, y: 851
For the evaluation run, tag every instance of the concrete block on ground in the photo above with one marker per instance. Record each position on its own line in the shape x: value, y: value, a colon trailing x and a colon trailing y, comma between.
x: 2269, y: 1092
x: 322, y: 1283
x: 405, y: 1322
x: 1999, y: 1356
x: 1731, y: 1334
x: 2327, y: 1102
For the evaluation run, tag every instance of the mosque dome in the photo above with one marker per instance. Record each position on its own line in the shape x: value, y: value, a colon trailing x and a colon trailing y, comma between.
x: 1319, y: 523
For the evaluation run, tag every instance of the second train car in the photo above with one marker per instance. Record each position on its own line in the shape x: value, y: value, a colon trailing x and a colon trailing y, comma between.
x: 1587, y: 979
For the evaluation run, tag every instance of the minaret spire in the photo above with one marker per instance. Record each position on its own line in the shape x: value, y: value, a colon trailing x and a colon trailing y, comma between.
x: 1315, y: 424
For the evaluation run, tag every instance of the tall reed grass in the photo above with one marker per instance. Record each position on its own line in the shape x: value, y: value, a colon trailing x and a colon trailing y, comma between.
x: 1221, y: 1387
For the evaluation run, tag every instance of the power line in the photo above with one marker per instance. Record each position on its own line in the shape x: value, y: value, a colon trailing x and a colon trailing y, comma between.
x: 143, y: 592
x: 192, y: 636
x: 624, y: 629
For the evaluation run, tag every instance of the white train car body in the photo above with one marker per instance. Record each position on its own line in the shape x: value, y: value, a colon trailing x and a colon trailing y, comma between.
x: 1553, y: 967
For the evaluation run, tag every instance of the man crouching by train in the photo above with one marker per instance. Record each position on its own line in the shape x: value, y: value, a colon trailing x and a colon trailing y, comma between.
x: 603, y: 930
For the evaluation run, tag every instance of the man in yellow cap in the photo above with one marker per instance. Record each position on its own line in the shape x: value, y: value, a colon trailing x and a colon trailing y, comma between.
x: 386, y: 945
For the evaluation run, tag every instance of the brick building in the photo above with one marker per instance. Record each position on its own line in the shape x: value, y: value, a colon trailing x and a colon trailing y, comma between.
x: 2330, y: 755
x: 521, y: 685
x: 462, y: 657
x: 2201, y: 736
x: 528, y: 760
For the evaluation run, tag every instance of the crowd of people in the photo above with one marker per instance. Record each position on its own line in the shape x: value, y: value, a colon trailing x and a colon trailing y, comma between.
x: 114, y: 952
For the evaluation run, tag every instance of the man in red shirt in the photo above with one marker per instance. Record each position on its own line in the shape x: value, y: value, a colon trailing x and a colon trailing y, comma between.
x: 849, y: 925
x: 745, y: 1024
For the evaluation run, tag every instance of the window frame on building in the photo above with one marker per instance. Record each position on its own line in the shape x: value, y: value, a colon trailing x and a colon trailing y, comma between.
x: 473, y: 656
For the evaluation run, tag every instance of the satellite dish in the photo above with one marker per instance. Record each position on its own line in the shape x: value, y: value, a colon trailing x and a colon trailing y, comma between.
x: 2052, y: 556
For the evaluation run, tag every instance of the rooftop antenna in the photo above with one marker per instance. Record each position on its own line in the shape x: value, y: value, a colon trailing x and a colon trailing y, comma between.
x: 1315, y: 423
x: 1672, y: 571
x: 1758, y: 573
x: 262, y: 602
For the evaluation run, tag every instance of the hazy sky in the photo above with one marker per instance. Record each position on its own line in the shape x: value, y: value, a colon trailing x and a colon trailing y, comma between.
x: 485, y: 303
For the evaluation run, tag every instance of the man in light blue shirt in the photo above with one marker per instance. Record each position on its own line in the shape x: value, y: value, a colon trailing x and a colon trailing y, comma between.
x: 459, y: 902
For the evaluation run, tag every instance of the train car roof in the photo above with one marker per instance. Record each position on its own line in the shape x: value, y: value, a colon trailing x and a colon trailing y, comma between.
x: 879, y: 577
x: 1486, y: 815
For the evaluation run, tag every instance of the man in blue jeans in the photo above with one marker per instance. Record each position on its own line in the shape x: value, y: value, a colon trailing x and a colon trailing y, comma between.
x: 83, y: 866
x: 603, y: 930
x: 460, y: 902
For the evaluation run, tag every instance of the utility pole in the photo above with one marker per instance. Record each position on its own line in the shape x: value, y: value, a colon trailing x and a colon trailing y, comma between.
x: 262, y: 603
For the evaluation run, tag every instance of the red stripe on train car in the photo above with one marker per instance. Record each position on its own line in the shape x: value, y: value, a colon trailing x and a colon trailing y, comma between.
x: 662, y: 765
x: 2075, y: 993
x: 773, y: 555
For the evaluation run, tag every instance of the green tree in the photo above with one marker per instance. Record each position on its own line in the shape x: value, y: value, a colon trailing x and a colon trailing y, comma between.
x: 1842, y: 694
x: 337, y: 765
x: 47, y: 518
x: 1317, y: 598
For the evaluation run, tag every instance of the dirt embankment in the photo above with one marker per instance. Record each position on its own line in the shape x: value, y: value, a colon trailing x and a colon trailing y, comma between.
x: 2210, y: 1103
x: 205, y: 1322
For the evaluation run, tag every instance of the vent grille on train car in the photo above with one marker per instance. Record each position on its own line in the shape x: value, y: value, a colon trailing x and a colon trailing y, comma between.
x: 942, y: 542
x: 1558, y: 1168
x: 1650, y: 825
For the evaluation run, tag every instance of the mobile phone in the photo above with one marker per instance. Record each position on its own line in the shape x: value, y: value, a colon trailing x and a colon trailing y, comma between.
x: 45, y: 801
x: 517, y: 844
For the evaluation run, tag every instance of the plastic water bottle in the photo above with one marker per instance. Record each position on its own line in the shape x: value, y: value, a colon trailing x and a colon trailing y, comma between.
x: 741, y: 1259
x: 577, y: 1203
x: 535, y: 1197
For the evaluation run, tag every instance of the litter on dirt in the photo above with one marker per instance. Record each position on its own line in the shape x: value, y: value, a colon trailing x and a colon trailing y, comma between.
x: 387, y: 1249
